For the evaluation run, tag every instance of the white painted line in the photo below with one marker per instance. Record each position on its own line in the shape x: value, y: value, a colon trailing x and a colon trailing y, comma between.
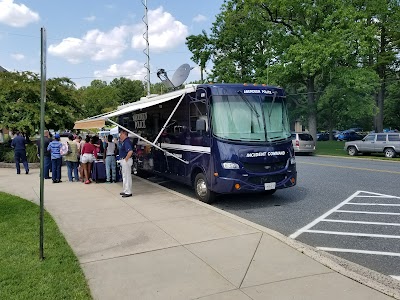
x: 328, y: 249
x: 395, y: 277
x: 376, y: 204
x: 317, y: 220
x: 371, y: 194
x: 383, y: 196
x: 361, y: 222
x: 368, y: 212
x: 355, y: 234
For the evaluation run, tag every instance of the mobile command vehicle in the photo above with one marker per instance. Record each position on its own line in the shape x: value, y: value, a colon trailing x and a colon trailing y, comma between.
x: 218, y: 138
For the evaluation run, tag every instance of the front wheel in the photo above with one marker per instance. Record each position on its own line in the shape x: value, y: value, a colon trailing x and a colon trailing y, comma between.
x: 352, y: 151
x: 202, y: 190
x: 389, y: 153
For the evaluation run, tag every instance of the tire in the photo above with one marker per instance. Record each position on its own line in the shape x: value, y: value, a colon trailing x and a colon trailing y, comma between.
x: 202, y: 190
x: 389, y: 152
x: 352, y: 151
x: 269, y: 192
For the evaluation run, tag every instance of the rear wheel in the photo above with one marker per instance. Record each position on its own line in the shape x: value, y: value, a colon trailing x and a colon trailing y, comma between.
x: 352, y: 151
x: 202, y: 190
x: 389, y: 152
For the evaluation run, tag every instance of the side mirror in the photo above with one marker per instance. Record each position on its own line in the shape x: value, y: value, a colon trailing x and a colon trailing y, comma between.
x: 200, y: 125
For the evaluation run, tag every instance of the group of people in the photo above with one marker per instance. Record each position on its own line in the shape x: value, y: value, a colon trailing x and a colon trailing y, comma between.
x: 80, y: 157
x: 82, y: 154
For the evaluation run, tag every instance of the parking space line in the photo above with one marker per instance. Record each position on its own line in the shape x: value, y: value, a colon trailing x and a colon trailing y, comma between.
x: 374, y: 204
x: 328, y: 249
x: 368, y: 212
x: 382, y: 196
x: 354, y: 234
x: 361, y: 222
x: 317, y: 220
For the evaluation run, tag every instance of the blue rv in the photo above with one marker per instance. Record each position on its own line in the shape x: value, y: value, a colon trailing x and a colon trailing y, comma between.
x: 218, y: 138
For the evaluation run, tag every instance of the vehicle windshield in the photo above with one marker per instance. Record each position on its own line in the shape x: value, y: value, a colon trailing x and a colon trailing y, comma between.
x: 250, y: 117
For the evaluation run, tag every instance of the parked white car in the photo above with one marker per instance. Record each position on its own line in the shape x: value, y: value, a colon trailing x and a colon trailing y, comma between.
x: 303, y: 142
x: 387, y: 143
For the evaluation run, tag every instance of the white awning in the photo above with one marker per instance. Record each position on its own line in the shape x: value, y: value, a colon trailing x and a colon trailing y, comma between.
x: 99, y: 121
x: 147, y: 102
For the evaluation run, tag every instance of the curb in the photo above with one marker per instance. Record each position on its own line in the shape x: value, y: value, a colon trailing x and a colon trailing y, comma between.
x: 363, y: 275
x: 12, y: 165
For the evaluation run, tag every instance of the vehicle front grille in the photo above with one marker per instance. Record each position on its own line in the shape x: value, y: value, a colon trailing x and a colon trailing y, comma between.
x: 264, y: 179
x: 263, y: 167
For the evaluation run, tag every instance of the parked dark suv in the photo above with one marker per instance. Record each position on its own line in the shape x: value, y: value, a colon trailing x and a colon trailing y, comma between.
x: 349, y: 135
x: 387, y: 143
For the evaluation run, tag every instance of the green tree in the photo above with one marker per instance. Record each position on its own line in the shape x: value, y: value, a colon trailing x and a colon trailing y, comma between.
x: 20, y: 100
x: 98, y: 98
x: 128, y: 90
x: 200, y: 46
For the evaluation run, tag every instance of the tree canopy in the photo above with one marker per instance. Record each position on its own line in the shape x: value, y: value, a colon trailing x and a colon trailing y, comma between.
x: 334, y: 57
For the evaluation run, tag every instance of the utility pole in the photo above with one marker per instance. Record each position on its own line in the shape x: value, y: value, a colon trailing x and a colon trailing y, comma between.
x: 42, y: 109
x: 147, y: 50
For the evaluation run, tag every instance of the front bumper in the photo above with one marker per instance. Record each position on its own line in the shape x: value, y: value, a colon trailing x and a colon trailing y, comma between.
x: 224, y: 185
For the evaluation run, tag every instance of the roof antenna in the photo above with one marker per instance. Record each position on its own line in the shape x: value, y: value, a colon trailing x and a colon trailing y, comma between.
x: 146, y: 51
x: 179, y: 77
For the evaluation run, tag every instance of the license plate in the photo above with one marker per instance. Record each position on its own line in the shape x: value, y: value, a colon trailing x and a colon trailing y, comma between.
x: 269, y: 185
x: 308, y: 146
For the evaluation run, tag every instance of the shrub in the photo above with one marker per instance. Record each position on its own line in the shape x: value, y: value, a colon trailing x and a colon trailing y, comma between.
x: 31, y: 154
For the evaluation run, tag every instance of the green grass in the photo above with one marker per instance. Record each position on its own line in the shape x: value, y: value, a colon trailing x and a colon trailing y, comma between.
x: 22, y: 274
x: 336, y: 148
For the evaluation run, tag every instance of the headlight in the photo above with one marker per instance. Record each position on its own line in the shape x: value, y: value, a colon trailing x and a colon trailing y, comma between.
x: 228, y: 165
x: 292, y: 160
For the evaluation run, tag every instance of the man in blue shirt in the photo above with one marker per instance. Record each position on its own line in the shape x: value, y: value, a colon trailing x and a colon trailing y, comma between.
x: 56, y: 160
x: 125, y: 155
x: 18, y: 144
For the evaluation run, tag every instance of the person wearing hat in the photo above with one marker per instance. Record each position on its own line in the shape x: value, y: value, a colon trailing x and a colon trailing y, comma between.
x: 56, y: 160
x: 125, y: 155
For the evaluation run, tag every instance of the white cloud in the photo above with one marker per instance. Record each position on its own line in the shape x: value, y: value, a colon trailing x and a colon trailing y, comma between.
x: 17, y: 56
x: 96, y: 45
x: 90, y: 18
x: 16, y: 15
x: 165, y: 32
x: 131, y: 69
x: 199, y: 18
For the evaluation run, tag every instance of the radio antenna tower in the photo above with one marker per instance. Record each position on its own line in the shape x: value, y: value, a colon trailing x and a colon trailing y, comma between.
x: 146, y: 51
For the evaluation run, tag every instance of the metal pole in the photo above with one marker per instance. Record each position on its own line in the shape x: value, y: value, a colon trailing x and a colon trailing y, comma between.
x: 148, y: 142
x: 146, y: 22
x: 42, y: 109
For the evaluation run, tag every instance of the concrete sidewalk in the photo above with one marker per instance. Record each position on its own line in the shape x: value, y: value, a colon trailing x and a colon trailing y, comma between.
x: 159, y: 244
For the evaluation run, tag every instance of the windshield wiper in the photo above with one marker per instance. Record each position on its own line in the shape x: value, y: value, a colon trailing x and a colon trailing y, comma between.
x: 272, y: 104
x: 248, y: 103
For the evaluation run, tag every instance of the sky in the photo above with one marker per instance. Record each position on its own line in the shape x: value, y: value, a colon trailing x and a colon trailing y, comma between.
x: 102, y: 39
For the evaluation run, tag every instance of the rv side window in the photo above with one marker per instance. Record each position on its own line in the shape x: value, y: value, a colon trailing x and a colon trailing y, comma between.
x: 198, y: 111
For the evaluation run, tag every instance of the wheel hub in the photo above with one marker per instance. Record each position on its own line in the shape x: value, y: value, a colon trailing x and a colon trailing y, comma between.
x: 201, y: 188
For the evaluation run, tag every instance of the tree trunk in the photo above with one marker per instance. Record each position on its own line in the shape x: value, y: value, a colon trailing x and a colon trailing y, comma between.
x: 380, y: 97
x: 312, y: 107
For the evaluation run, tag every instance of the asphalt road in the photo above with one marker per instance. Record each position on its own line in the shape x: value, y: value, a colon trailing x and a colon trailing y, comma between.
x: 348, y: 207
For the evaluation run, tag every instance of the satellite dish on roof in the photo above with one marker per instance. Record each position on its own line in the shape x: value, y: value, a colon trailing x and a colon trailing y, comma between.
x: 179, y: 77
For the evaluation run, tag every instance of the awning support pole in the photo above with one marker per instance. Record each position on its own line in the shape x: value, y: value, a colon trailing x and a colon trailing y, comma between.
x: 169, y: 118
x: 148, y: 142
